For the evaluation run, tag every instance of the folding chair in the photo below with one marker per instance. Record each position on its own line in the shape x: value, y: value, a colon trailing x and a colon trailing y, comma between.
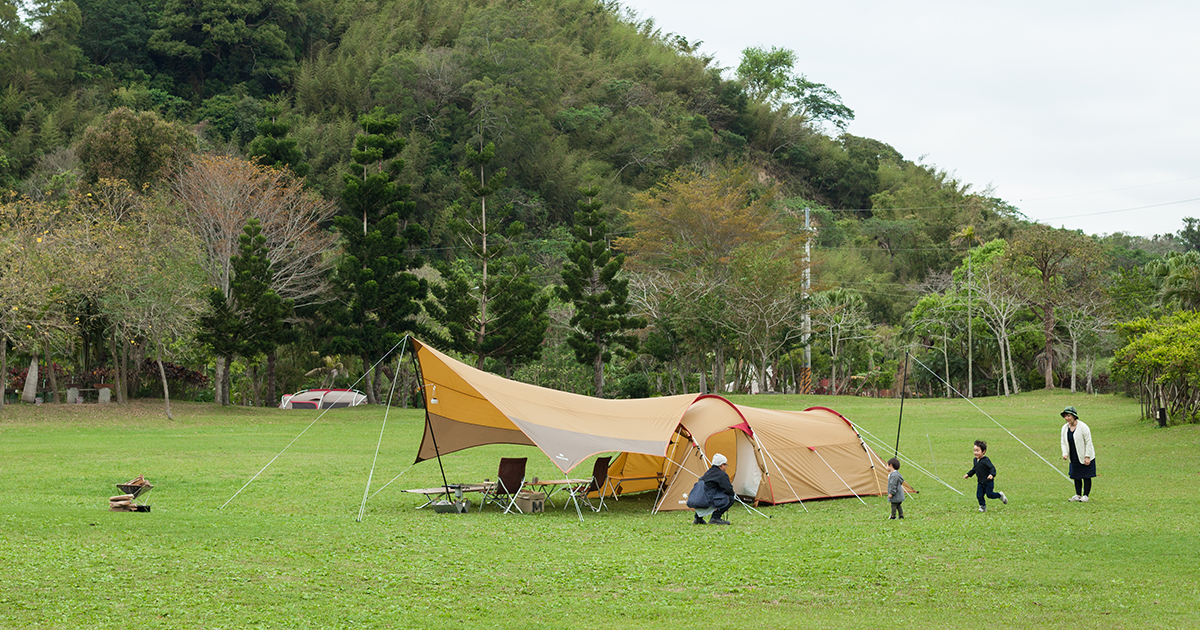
x: 599, y: 479
x: 510, y: 478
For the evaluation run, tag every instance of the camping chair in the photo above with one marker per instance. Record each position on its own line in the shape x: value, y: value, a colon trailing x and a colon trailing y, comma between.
x: 596, y: 484
x: 510, y: 478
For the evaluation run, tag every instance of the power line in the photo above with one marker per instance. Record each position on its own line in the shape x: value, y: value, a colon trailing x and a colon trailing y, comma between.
x: 1093, y: 214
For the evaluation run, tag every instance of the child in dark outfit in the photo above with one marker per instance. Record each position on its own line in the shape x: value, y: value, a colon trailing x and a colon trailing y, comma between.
x: 984, y: 473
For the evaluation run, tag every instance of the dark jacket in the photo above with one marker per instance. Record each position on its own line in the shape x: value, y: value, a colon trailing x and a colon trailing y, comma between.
x: 981, y: 469
x: 720, y: 490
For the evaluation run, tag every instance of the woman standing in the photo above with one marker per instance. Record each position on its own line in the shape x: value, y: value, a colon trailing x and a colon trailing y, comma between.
x: 1077, y: 448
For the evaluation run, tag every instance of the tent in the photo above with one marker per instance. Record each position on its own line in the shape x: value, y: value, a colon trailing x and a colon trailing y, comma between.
x: 322, y: 399
x: 664, y: 443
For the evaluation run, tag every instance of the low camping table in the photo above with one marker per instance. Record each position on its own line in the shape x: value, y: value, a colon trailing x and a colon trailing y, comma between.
x: 551, y: 486
x: 431, y: 494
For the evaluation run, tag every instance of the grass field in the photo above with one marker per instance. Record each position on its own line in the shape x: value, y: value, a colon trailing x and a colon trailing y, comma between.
x: 289, y: 553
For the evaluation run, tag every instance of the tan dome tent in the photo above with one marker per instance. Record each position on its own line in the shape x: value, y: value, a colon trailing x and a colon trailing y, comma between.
x: 774, y: 456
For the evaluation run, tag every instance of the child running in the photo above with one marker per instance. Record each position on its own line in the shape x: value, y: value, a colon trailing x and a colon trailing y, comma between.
x: 985, y: 474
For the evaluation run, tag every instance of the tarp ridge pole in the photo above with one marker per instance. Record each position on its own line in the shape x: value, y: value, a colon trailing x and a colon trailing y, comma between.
x: 780, y: 469
x: 835, y: 474
x: 989, y: 417
x: 362, y: 508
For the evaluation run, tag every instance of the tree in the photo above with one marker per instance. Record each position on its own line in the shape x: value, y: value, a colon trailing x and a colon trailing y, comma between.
x: 376, y: 297
x: 1162, y: 358
x: 489, y: 304
x: 999, y: 303
x: 935, y: 316
x: 218, y: 196
x: 764, y: 300
x: 138, y: 147
x: 694, y: 221
x: 841, y: 316
x: 272, y: 147
x: 1062, y: 262
x: 766, y: 73
x: 1178, y: 279
x: 1086, y: 316
x: 26, y: 304
x: 216, y: 45
x: 154, y: 295
x: 768, y: 78
x: 1190, y: 234
x: 263, y: 313
x: 602, y: 320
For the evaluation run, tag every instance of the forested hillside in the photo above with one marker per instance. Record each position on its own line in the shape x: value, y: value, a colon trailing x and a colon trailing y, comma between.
x: 247, y: 199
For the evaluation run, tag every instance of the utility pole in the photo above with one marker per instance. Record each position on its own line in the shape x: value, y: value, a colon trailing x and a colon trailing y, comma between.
x: 970, y: 340
x: 807, y: 385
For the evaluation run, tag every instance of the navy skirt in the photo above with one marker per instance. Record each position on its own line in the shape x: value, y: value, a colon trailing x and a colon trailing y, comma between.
x: 1079, y: 471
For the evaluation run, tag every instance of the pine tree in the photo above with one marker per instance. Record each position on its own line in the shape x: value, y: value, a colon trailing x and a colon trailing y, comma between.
x: 272, y: 147
x: 263, y: 313
x: 376, y: 297
x: 601, y: 323
x: 490, y: 306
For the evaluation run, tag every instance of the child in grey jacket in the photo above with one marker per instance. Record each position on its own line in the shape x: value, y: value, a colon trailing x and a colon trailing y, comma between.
x: 895, y: 488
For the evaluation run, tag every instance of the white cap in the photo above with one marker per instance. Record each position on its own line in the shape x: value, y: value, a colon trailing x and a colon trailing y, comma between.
x: 719, y: 460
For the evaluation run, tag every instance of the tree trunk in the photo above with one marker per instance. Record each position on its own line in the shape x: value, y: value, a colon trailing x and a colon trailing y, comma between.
x: 1074, y: 357
x: 1048, y: 329
x: 3, y: 369
x: 1091, y: 366
x: 719, y: 368
x: 162, y: 374
x: 29, y: 395
x: 227, y: 382
x: 946, y: 360
x: 372, y: 399
x: 219, y: 381
x: 50, y: 371
x: 378, y: 379
x: 271, y: 378
x: 598, y: 374
x: 254, y: 389
x: 1003, y: 366
x: 123, y: 380
x: 1012, y: 365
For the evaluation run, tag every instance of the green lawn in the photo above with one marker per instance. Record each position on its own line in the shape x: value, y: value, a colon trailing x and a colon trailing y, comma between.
x: 289, y: 553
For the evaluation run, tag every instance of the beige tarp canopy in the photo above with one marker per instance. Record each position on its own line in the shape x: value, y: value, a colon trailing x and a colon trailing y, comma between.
x: 774, y: 456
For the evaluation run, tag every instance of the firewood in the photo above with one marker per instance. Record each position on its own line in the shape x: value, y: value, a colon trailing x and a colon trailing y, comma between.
x: 121, y: 497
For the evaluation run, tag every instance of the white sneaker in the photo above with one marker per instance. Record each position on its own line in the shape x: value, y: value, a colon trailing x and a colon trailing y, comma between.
x: 982, y: 509
x: 1083, y: 498
x: 1003, y: 499
x: 1074, y: 498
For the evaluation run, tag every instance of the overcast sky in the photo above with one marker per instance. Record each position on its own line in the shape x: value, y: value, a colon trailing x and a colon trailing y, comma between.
x: 1083, y: 115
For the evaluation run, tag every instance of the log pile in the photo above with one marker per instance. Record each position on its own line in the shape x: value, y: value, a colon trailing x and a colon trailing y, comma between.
x: 122, y: 503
